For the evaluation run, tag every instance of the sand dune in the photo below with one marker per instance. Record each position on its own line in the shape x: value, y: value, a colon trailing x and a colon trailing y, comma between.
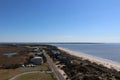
x: 104, y: 62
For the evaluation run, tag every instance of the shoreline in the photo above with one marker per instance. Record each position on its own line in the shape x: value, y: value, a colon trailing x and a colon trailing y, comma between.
x: 106, y: 63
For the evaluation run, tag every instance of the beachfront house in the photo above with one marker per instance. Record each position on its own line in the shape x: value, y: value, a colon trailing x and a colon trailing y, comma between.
x: 65, y: 60
x: 55, y: 53
x: 37, y: 60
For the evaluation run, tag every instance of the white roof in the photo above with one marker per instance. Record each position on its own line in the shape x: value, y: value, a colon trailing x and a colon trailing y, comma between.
x: 37, y: 57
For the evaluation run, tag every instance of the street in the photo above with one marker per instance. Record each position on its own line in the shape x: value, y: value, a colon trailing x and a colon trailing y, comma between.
x: 54, y: 68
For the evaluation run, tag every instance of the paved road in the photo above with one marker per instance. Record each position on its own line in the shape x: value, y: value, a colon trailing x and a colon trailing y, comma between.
x: 14, y: 78
x: 54, y: 68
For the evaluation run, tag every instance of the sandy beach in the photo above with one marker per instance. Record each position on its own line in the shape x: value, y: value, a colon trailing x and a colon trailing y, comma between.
x: 104, y: 62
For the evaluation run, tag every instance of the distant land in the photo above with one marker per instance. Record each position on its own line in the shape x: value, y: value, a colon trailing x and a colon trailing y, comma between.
x: 40, y: 43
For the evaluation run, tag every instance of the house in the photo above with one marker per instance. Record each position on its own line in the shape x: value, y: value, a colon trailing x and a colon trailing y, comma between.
x: 65, y: 60
x: 37, y: 60
x: 38, y: 51
x: 55, y: 53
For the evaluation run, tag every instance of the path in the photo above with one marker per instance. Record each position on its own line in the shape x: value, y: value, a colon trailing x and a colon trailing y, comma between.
x: 54, y: 68
x: 14, y: 78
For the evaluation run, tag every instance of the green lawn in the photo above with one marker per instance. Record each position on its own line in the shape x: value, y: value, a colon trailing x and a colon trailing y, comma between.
x: 5, y: 74
x: 37, y: 76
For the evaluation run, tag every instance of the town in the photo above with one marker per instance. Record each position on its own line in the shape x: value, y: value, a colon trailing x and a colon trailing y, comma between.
x: 29, y: 58
x: 47, y: 62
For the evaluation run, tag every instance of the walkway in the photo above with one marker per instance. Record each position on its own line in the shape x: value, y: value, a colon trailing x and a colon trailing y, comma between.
x: 14, y: 78
x: 54, y: 68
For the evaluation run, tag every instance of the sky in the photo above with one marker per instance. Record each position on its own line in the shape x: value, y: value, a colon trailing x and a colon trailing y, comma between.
x: 60, y: 21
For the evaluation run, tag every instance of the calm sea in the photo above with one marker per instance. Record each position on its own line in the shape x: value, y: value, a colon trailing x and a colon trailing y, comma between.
x: 106, y: 51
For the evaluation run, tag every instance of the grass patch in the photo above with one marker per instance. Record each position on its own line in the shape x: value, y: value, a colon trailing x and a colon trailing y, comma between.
x: 5, y: 74
x: 37, y: 76
x: 76, y: 61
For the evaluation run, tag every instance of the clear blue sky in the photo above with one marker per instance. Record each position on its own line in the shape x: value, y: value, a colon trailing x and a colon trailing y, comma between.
x: 59, y: 20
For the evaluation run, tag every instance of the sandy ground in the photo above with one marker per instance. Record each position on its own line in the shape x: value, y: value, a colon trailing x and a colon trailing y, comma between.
x: 104, y: 62
x: 61, y: 71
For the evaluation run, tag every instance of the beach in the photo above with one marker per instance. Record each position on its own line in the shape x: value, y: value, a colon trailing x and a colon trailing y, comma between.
x: 99, y: 61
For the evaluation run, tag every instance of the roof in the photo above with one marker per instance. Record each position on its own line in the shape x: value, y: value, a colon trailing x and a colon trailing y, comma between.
x: 37, y: 57
x: 55, y: 52
x: 36, y: 49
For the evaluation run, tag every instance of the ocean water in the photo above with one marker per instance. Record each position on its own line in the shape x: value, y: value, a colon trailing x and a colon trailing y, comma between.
x: 106, y: 51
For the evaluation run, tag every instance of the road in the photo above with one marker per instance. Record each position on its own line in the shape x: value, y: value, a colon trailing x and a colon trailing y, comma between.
x: 54, y: 68
x: 14, y: 78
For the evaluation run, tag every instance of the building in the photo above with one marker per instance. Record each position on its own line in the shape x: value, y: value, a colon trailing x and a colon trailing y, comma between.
x: 55, y: 53
x: 37, y: 60
x: 36, y: 49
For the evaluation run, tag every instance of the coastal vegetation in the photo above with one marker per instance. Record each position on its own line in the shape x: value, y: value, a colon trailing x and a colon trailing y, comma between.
x: 81, y: 69
x: 14, y: 61
x: 75, y: 68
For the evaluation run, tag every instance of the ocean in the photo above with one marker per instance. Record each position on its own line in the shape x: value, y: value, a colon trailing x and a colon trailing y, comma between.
x: 106, y: 51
